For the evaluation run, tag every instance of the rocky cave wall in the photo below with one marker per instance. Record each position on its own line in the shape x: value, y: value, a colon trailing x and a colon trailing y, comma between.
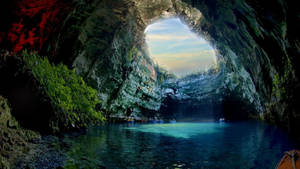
x: 110, y: 53
x: 184, y: 100
x: 104, y: 41
x: 260, y: 44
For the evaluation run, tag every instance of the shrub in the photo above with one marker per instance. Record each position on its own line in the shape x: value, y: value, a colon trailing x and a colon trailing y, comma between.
x: 71, y: 98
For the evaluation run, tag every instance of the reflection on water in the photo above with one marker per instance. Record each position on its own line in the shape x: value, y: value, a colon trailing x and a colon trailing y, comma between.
x: 242, y: 145
x: 180, y: 130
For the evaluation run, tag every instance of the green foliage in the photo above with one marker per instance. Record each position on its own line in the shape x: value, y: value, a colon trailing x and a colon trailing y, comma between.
x: 132, y: 52
x: 280, y: 83
x: 282, y: 93
x: 163, y: 74
x: 277, y: 90
x: 13, y: 138
x: 129, y: 57
x: 67, y: 91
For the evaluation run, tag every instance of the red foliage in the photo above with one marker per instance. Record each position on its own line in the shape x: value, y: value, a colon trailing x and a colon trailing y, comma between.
x: 1, y: 36
x: 37, y: 21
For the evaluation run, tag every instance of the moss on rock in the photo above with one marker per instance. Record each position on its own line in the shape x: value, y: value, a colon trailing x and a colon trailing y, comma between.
x: 73, y: 101
x: 13, y: 138
x: 282, y: 91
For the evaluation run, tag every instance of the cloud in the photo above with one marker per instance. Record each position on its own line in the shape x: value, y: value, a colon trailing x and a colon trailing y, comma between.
x: 170, y: 24
x: 183, y: 63
x: 186, y: 55
x: 173, y: 46
x: 190, y: 44
x: 160, y: 26
x: 161, y: 47
x: 167, y: 37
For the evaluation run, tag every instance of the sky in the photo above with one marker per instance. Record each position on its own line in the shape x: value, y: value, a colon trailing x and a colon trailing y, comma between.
x: 173, y: 46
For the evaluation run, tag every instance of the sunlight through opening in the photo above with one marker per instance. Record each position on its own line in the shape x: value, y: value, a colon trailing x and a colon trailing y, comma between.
x: 173, y: 46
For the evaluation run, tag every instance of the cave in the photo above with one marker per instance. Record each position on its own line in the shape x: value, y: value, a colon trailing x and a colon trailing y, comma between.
x: 114, y: 61
x: 187, y: 58
x: 105, y: 45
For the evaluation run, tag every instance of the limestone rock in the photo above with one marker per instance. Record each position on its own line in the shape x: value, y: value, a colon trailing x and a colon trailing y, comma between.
x: 13, y: 137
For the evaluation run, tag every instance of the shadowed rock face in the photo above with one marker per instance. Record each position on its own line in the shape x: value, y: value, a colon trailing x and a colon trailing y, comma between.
x: 257, y: 41
x: 14, y: 139
x: 110, y: 53
x: 194, y: 98
x: 29, y: 107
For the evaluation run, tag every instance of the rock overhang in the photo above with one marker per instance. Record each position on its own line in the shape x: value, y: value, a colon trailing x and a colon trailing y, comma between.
x: 257, y: 43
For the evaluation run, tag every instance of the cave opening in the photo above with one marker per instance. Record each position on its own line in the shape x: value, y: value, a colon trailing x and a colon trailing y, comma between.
x: 198, y: 88
x: 174, y: 47
x: 192, y: 93
x: 252, y: 73
x: 117, y: 63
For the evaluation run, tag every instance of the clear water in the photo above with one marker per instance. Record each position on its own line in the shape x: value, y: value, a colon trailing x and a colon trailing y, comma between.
x: 243, y: 145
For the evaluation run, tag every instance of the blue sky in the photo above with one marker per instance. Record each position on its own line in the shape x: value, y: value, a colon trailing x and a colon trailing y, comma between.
x: 173, y: 46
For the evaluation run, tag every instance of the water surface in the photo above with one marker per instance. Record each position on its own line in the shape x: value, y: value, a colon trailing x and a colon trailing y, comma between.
x: 242, y: 145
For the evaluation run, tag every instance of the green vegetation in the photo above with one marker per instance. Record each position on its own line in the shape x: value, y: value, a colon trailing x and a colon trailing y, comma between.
x: 277, y: 90
x: 68, y: 93
x: 132, y: 52
x: 13, y: 138
x: 163, y: 74
x: 282, y: 91
x: 280, y: 83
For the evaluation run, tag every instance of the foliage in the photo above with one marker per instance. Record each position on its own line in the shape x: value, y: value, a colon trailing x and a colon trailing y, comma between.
x: 163, y: 74
x: 277, y: 89
x: 281, y: 83
x: 129, y: 57
x: 13, y: 138
x: 67, y: 91
x: 132, y: 52
x: 282, y: 93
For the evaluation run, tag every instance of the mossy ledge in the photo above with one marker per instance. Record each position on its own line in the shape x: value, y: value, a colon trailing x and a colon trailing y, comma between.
x: 74, y: 103
x: 13, y: 138
x: 67, y: 102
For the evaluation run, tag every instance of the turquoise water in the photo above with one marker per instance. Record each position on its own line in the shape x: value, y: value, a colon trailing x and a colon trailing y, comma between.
x: 243, y: 145
x: 179, y: 130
